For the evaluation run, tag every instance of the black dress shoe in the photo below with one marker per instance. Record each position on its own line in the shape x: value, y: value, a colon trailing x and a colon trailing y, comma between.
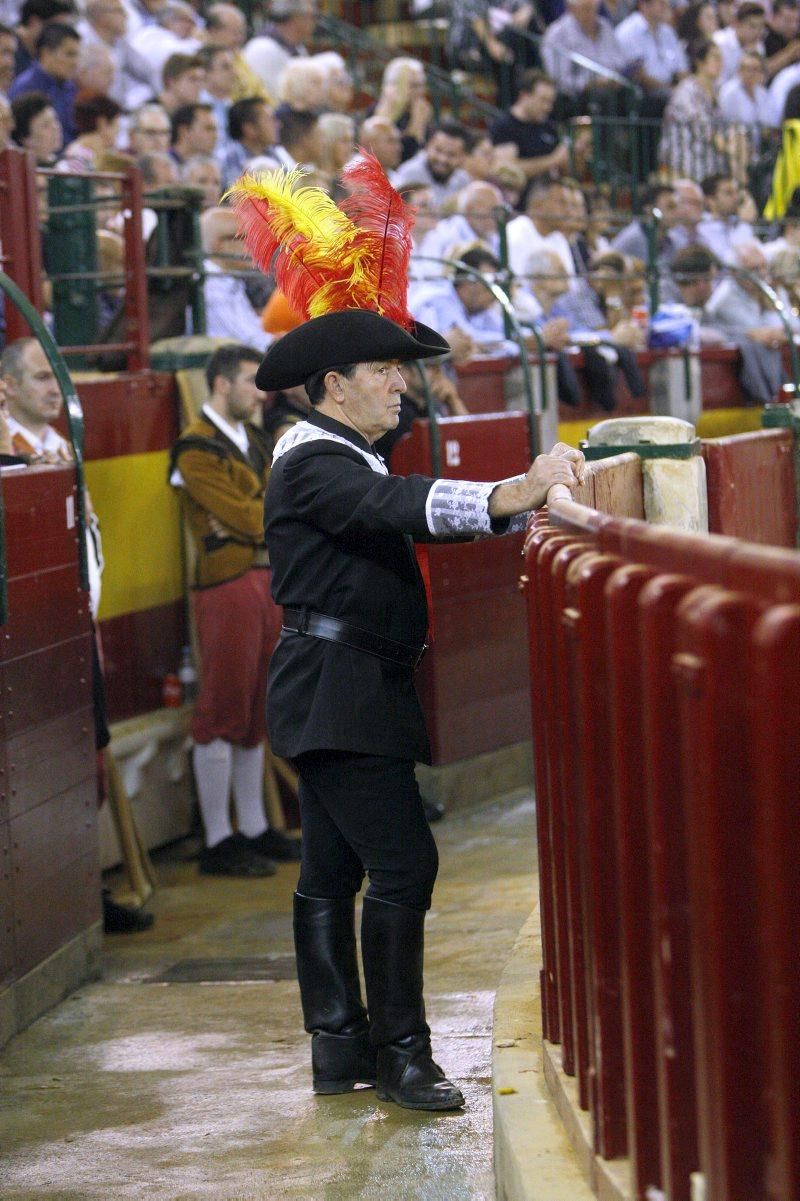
x: 408, y: 1076
x: 275, y: 845
x: 122, y: 919
x: 235, y: 856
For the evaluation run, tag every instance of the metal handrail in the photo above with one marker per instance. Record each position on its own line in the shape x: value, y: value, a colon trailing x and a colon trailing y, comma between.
x: 516, y: 332
x: 780, y: 308
x: 75, y: 429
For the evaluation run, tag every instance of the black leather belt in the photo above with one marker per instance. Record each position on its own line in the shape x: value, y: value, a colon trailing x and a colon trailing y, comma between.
x: 317, y: 625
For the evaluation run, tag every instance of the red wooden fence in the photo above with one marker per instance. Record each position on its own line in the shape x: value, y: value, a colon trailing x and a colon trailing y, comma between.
x: 665, y: 691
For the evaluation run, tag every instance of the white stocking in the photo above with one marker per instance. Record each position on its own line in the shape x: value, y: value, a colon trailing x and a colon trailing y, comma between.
x: 248, y: 789
x: 212, y: 770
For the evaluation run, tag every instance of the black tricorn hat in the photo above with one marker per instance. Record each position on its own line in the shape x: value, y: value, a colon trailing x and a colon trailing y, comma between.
x: 336, y: 339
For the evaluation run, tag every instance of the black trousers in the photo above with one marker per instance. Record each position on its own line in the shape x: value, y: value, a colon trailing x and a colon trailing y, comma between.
x: 363, y: 814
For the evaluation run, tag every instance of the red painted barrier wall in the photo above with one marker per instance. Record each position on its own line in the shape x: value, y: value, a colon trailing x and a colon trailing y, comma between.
x: 751, y: 486
x: 49, y: 867
x: 665, y: 677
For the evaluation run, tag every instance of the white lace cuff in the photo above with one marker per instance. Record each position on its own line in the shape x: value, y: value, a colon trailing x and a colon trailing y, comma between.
x: 456, y: 508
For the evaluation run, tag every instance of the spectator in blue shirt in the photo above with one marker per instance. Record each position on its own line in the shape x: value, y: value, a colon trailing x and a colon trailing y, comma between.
x: 53, y: 73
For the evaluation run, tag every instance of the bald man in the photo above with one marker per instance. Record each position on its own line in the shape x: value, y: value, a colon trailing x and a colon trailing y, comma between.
x: 229, y: 313
x: 475, y: 223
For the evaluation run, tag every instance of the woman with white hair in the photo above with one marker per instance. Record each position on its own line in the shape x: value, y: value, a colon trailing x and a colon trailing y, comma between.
x: 404, y: 103
x: 302, y: 87
x: 338, y: 81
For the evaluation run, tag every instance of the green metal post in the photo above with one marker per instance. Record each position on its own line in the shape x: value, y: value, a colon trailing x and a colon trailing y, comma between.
x: 74, y: 415
x: 70, y: 246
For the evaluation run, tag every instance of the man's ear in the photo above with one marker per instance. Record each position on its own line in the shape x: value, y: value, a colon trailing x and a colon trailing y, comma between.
x: 333, y: 383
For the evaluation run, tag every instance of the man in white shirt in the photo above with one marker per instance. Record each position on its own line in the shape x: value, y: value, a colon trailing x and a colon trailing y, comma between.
x: 746, y: 33
x: 583, y: 31
x: 651, y: 47
x: 292, y: 25
x: 229, y: 313
x: 475, y: 221
x: 540, y: 227
x: 722, y: 231
x: 176, y: 31
x: 105, y: 22
x: 744, y: 100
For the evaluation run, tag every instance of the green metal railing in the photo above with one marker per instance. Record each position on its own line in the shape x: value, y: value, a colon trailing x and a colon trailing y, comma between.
x: 779, y: 307
x: 75, y: 431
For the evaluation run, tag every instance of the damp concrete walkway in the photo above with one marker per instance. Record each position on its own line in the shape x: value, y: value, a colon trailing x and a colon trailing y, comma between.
x: 184, y: 1072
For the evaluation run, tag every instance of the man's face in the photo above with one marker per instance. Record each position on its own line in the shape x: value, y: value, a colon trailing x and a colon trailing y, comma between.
x: 474, y: 295
x: 244, y: 397
x: 232, y: 31
x: 786, y: 22
x: 480, y: 211
x: 550, y: 209
x: 201, y: 135
x: 221, y: 76
x: 691, y: 204
x: 8, y: 46
x: 187, y: 87
x: 750, y: 31
x: 34, y: 399
x: 370, y: 399
x: 751, y: 71
x: 696, y: 292
x: 667, y: 202
x: 538, y: 104
x: 444, y: 155
x: 207, y: 177
x: 725, y: 200
x: 62, y: 62
x: 263, y: 126
x: 152, y: 135
x: 183, y: 24
x: 111, y: 18
x: 550, y: 287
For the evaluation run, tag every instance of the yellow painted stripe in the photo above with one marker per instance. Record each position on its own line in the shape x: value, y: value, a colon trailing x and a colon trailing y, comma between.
x: 713, y: 423
x: 141, y: 525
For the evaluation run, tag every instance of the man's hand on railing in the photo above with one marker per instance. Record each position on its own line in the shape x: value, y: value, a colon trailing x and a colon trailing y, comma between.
x: 555, y: 335
x: 461, y: 344
x: 626, y: 333
x: 545, y: 472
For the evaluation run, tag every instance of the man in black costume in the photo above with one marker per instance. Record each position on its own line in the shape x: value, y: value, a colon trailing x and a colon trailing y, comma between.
x: 342, y: 703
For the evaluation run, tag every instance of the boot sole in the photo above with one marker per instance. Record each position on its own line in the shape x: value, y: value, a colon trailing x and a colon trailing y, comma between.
x: 329, y: 1088
x: 432, y: 1106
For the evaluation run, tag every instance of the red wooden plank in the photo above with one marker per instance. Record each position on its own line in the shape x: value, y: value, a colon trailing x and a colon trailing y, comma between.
x: 44, y: 608
x: 128, y: 414
x: 39, y: 686
x: 60, y: 829
x: 666, y: 834
x: 777, y: 794
x: 55, y: 911
x: 716, y: 714
x: 751, y: 486
x: 40, y: 513
x: 49, y: 758
x: 595, y: 834
x: 635, y: 892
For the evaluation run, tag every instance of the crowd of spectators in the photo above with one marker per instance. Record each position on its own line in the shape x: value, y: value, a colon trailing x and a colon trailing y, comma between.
x: 195, y: 98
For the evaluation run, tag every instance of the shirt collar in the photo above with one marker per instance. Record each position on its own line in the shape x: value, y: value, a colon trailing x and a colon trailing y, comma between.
x: 236, y: 434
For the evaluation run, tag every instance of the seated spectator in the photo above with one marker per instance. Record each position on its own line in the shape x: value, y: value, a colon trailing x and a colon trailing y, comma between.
x: 338, y: 82
x: 464, y: 311
x: 746, y: 33
x: 95, y: 69
x: 782, y: 36
x: 149, y: 130
x: 97, y: 120
x: 476, y: 221
x: 576, y: 224
x: 697, y: 23
x: 298, y: 142
x: 105, y: 23
x: 599, y: 222
x: 653, y: 53
x: 692, y: 143
x: 741, y: 311
x: 634, y: 239
x: 379, y: 135
x: 581, y: 31
x: 540, y: 226
x: 481, y: 158
x: 226, y: 29
x: 37, y: 127
x: 287, y: 409
x: 744, y: 100
x: 302, y: 87
x: 510, y: 179
x: 291, y: 26
x: 229, y: 313
x: 33, y: 16
x: 336, y: 137
x: 490, y: 39
x: 694, y: 275
x: 194, y: 131
x: 8, y: 47
x: 439, y: 165
x: 527, y: 127
x: 53, y: 74
x: 175, y: 31
x: 202, y: 171
x: 722, y: 230
x: 251, y: 134
x: 183, y: 79
x: 691, y: 210
x: 219, y: 87
x: 404, y: 102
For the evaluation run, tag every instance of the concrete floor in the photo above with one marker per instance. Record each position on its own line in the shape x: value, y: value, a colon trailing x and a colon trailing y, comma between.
x: 135, y: 1088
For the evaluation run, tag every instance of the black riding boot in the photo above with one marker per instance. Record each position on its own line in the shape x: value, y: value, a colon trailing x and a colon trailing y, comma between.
x: 333, y: 1012
x: 392, y: 938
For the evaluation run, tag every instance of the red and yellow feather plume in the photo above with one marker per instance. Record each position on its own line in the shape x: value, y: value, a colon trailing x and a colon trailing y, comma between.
x: 327, y: 258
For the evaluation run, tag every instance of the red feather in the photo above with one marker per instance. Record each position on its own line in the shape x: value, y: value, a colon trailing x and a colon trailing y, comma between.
x: 385, y: 222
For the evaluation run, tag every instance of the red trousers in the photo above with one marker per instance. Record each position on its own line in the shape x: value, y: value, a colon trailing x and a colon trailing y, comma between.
x: 238, y: 624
